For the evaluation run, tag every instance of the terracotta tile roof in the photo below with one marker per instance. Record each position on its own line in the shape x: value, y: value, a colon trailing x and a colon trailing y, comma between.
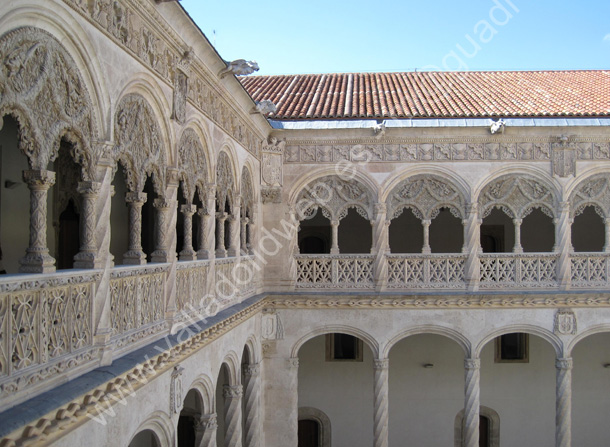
x: 435, y: 94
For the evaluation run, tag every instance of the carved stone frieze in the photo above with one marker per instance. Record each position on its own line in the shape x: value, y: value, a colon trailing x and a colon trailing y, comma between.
x: 517, y: 195
x: 426, y: 195
x: 225, y: 183
x: 192, y: 165
x: 595, y: 192
x: 447, y: 151
x: 334, y: 196
x: 43, y: 89
x: 138, y: 144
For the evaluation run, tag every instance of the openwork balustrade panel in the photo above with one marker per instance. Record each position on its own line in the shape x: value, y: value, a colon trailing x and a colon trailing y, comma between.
x: 425, y: 271
x: 590, y: 270
x: 137, y: 298
x: 518, y: 270
x: 335, y: 271
x: 191, y: 285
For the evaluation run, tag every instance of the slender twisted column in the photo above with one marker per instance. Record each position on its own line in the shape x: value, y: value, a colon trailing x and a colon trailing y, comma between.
x: 232, y: 396
x: 187, y: 253
x: 381, y: 403
x: 563, y: 245
x: 563, y: 404
x: 205, y: 431
x: 251, y: 405
x: 243, y: 235
x: 381, y: 245
x: 472, y: 246
x: 220, y: 235
x: 334, y: 248
x: 472, y: 402
x: 37, y: 258
x: 162, y: 251
x: 426, y: 247
x: 517, y: 248
x: 135, y: 255
x: 607, y: 244
x: 86, y: 257
x: 249, y: 236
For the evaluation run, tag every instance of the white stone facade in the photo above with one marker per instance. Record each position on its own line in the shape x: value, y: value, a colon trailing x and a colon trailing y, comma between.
x: 185, y: 258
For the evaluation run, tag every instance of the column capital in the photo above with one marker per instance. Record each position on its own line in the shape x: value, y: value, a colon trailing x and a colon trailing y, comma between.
x: 136, y: 197
x: 232, y: 391
x: 188, y: 209
x: 252, y: 369
x: 293, y: 362
x: 472, y: 363
x: 39, y: 179
x: 89, y: 188
x: 162, y: 203
x: 564, y: 363
x: 381, y: 364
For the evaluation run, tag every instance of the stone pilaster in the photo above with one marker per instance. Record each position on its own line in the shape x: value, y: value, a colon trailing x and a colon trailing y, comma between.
x: 472, y: 402
x: 281, y: 401
x: 252, y: 381
x: 563, y: 403
x: 135, y: 255
x: 87, y: 256
x: 232, y: 395
x: 37, y: 258
x: 187, y: 253
x: 381, y: 403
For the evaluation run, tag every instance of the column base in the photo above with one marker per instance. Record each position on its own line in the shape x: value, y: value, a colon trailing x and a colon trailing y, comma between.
x: 232, y: 252
x: 204, y: 254
x: 134, y: 257
x: 188, y: 255
x: 87, y: 260
x: 161, y: 256
x: 37, y: 262
x: 221, y: 253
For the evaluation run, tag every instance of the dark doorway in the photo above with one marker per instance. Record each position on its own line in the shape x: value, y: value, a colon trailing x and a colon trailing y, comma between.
x: 484, y: 427
x: 309, y: 433
x: 186, y: 431
x: 69, y: 241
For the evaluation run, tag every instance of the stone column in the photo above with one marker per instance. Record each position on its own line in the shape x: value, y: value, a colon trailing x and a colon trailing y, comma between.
x: 249, y: 236
x: 135, y: 255
x: 426, y: 248
x: 206, y: 227
x: 252, y: 383
x: 187, y: 253
x: 232, y: 396
x: 281, y: 401
x: 563, y: 245
x: 334, y: 248
x: 472, y: 402
x: 472, y: 246
x: 87, y: 256
x: 517, y: 248
x: 243, y: 235
x: 381, y: 403
x: 163, y: 253
x: 205, y: 431
x: 37, y: 258
x: 563, y: 403
x: 221, y: 252
x: 381, y: 246
x: 234, y: 221
x: 607, y: 244
x: 203, y: 251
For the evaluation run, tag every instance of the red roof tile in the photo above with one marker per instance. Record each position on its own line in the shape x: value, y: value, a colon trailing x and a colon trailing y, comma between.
x: 435, y: 94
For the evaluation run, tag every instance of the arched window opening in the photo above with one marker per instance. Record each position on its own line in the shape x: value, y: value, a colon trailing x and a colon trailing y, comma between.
x: 315, y: 234
x: 190, y: 415
x: 489, y: 428
x: 148, y: 219
x: 314, y: 428
x: 537, y: 232
x: 588, y: 231
x: 186, y: 430
x: 309, y: 433
x: 355, y: 233
x: 146, y: 438
x: 446, y: 233
x: 406, y: 233
x: 119, y: 217
x: 497, y: 232
x: 14, y: 198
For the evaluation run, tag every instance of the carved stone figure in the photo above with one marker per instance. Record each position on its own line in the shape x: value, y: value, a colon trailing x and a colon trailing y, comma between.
x: 180, y: 95
x: 265, y: 107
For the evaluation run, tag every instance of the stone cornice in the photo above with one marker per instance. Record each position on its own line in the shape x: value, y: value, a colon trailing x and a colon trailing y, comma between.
x: 449, y: 301
x: 71, y: 415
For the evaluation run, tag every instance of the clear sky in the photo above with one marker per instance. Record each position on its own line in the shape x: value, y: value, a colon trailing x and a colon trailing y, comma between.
x: 315, y: 36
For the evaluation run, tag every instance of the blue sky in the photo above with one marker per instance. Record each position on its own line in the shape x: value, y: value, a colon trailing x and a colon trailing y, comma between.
x: 288, y: 37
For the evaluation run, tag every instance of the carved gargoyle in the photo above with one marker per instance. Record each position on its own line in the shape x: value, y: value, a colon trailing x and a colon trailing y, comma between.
x: 265, y: 107
x: 239, y: 67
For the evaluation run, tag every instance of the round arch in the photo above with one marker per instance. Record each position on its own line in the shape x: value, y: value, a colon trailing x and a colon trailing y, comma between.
x: 161, y: 425
x: 309, y: 177
x: 197, y: 127
x: 449, y: 333
x: 254, y: 351
x: 230, y: 152
x: 145, y: 85
x: 585, y: 175
x: 310, y: 413
x: 60, y: 23
x: 342, y: 329
x: 204, y: 387
x: 451, y: 177
x: 231, y: 360
x: 546, y: 335
x: 594, y: 330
